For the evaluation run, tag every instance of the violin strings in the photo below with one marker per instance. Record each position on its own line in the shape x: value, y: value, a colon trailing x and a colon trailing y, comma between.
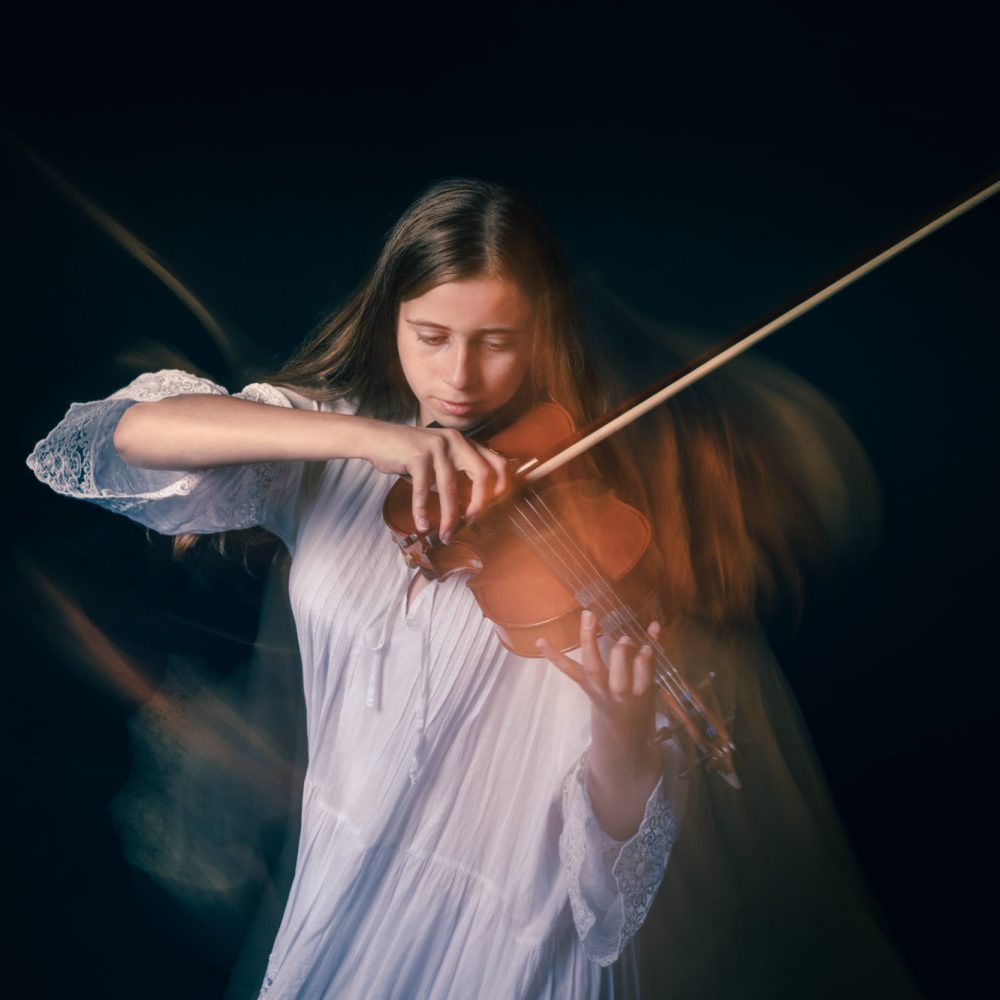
x: 573, y: 577
x: 584, y: 564
x: 667, y: 674
x: 575, y: 562
x: 664, y: 670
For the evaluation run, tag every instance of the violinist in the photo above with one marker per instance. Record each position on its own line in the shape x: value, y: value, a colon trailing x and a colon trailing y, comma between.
x: 474, y: 823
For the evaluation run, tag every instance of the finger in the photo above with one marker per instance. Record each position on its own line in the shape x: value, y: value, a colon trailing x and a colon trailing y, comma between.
x: 483, y: 478
x: 420, y: 475
x: 653, y: 630
x: 642, y: 672
x: 501, y: 469
x: 447, y: 488
x: 593, y: 664
x: 620, y: 668
x: 565, y: 663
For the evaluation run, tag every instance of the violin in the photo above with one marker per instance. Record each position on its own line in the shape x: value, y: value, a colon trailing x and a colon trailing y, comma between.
x: 543, y: 554
x: 561, y: 542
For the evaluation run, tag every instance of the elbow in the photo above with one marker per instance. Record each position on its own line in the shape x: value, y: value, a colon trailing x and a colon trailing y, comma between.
x: 127, y: 436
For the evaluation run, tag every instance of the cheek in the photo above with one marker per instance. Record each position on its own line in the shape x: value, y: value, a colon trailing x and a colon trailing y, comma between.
x: 507, y: 377
x: 518, y: 375
x: 518, y: 370
x: 409, y: 361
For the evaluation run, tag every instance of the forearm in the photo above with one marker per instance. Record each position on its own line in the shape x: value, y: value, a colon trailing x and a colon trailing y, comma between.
x: 200, y: 431
x: 623, y: 771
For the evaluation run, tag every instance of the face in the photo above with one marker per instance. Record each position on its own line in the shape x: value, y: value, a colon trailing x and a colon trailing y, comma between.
x: 465, y: 347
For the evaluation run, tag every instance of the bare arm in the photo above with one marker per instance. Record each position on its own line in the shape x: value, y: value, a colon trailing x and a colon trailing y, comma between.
x: 623, y: 766
x: 201, y: 431
x: 623, y: 771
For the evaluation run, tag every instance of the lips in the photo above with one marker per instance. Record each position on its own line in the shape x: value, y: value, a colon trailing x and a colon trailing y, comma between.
x: 456, y: 409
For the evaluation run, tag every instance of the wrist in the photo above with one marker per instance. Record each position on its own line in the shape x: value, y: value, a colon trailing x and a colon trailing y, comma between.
x: 361, y: 437
x: 622, y: 753
x: 371, y: 440
x: 621, y: 775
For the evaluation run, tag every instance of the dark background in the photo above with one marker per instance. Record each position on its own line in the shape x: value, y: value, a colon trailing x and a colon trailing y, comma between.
x: 703, y: 173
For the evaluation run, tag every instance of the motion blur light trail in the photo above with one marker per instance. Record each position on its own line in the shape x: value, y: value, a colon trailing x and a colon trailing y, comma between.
x: 133, y: 246
x: 201, y: 757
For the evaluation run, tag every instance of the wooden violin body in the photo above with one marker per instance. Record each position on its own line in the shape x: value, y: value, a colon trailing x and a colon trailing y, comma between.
x: 543, y: 554
x: 583, y: 548
x: 513, y: 585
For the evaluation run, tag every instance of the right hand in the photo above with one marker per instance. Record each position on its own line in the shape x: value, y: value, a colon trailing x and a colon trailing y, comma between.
x: 432, y: 458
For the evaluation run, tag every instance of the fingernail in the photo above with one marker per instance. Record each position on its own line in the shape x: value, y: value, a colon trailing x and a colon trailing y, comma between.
x: 646, y: 650
x: 540, y: 644
x: 587, y: 619
x: 423, y: 524
x: 624, y: 641
x: 446, y: 538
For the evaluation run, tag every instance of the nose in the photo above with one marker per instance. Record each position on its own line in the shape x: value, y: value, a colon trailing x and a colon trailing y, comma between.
x: 462, y: 369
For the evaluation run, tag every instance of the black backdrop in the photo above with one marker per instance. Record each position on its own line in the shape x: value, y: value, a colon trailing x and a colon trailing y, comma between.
x: 703, y: 173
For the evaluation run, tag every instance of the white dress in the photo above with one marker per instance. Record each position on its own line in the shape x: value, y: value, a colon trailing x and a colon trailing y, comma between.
x: 448, y: 848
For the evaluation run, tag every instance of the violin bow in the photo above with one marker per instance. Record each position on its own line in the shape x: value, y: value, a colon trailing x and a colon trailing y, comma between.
x: 715, y: 357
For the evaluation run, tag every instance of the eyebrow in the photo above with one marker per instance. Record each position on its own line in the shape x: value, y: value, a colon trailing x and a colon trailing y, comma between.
x: 447, y: 329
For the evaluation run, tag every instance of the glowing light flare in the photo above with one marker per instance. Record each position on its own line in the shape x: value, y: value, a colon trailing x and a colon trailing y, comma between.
x: 133, y: 246
x: 230, y: 742
x: 89, y: 644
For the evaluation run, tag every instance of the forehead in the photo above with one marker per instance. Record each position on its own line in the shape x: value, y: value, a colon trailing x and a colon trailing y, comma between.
x: 472, y: 304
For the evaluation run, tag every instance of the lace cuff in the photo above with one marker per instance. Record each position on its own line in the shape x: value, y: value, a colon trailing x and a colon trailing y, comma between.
x: 612, y: 883
x: 78, y: 459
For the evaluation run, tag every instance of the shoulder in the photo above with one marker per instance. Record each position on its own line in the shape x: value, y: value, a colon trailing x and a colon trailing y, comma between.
x: 283, y: 395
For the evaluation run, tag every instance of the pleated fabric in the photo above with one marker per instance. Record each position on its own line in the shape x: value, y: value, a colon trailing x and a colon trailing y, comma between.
x: 448, y: 847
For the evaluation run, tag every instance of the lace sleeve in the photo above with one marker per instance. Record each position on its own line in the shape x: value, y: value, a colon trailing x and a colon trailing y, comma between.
x: 78, y: 459
x: 612, y: 883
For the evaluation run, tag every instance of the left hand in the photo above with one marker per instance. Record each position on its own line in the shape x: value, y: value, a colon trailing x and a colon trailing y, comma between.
x: 621, y: 692
x: 624, y: 766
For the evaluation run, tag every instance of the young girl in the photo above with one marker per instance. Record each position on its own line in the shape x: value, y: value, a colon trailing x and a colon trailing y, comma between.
x: 474, y: 824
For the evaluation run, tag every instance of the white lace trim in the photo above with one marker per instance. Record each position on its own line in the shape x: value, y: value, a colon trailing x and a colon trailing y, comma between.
x: 151, y: 386
x: 636, y: 865
x: 261, y: 392
x: 65, y: 459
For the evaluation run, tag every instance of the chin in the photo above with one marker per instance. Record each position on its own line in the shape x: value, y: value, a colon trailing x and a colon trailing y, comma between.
x: 458, y: 423
x: 447, y: 420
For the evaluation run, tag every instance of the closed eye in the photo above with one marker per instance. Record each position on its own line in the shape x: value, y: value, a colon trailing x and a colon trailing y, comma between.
x: 499, y: 345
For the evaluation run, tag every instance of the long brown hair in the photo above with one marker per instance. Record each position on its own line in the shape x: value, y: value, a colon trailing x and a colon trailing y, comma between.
x: 711, y: 472
x: 458, y: 229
